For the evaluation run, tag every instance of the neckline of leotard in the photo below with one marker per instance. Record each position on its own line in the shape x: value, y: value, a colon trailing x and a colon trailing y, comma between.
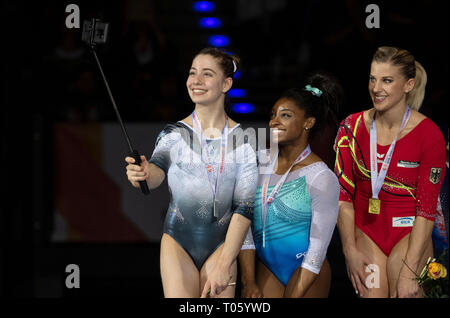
x: 387, y: 146
x: 217, y: 138
x: 311, y: 165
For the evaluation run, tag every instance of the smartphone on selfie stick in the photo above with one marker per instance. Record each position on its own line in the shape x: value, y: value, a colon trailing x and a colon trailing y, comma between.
x: 95, y: 32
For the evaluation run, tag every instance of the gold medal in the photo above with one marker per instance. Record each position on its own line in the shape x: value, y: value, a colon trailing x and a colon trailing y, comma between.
x: 374, y: 206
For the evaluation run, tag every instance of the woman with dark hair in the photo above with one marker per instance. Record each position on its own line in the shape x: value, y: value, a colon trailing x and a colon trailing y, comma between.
x: 390, y: 161
x: 296, y: 201
x: 212, y: 181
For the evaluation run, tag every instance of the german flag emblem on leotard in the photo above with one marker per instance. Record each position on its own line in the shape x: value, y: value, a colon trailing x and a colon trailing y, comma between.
x: 435, y: 175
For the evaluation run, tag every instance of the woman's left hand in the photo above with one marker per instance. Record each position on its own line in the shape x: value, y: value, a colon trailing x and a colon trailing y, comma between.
x: 218, y: 280
x: 407, y: 287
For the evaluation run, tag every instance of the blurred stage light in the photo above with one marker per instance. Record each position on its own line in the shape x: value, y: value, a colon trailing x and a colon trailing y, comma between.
x: 243, y: 108
x: 219, y: 40
x: 204, y: 6
x: 237, y: 75
x: 210, y: 23
x: 237, y: 93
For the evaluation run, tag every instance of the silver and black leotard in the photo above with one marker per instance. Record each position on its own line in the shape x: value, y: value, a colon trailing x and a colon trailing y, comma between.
x: 190, y: 220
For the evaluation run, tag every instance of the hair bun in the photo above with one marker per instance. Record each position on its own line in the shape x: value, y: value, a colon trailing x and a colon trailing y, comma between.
x: 333, y: 93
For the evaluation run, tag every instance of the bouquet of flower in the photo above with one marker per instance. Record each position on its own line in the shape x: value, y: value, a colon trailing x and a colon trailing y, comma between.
x: 434, y: 279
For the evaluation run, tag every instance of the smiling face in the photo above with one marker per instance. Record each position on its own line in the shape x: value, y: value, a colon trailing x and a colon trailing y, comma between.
x: 388, y: 86
x: 206, y: 83
x: 288, y: 121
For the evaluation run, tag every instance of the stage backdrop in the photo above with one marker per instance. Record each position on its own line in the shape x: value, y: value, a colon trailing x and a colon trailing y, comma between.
x: 93, y: 200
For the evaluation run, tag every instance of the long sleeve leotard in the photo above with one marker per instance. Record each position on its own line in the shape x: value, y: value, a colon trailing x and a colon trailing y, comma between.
x: 190, y: 220
x: 411, y: 186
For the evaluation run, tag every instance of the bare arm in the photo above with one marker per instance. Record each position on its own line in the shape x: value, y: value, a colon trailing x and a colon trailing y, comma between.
x: 242, y: 206
x: 220, y: 275
x: 346, y: 226
x: 421, y: 234
x: 304, y: 282
x: 146, y: 171
x: 428, y: 186
x: 247, y: 265
x: 236, y: 233
x: 355, y: 260
x: 156, y: 176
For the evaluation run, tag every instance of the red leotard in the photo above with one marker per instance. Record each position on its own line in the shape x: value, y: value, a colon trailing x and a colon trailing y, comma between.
x: 411, y: 186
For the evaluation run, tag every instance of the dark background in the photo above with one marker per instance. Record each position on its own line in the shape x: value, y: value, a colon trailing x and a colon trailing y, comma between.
x: 48, y: 77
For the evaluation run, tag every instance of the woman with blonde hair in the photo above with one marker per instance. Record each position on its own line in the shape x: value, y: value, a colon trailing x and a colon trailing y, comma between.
x: 390, y: 161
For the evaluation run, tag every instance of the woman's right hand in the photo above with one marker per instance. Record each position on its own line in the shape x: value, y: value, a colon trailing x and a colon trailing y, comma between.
x: 251, y: 290
x: 137, y: 173
x: 357, y: 263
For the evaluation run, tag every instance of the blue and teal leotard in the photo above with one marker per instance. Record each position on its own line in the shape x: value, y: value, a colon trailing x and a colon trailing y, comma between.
x: 299, y: 223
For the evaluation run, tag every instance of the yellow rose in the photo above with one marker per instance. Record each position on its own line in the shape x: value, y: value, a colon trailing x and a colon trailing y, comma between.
x: 436, y: 270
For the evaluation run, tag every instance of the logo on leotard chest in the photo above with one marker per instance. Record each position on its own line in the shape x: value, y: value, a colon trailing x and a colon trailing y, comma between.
x: 407, y: 164
x: 380, y: 158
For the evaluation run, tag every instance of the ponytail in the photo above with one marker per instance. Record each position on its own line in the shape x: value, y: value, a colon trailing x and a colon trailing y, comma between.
x: 332, y: 99
x: 415, y: 97
x: 320, y: 96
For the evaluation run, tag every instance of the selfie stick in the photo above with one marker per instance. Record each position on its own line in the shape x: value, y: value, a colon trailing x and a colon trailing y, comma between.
x: 95, y: 32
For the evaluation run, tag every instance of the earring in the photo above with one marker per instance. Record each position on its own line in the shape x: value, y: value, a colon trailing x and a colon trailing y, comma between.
x: 306, y: 128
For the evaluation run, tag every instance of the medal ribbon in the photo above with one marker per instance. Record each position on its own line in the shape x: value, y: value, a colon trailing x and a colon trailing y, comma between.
x: 378, y: 179
x: 209, y: 168
x: 266, y: 202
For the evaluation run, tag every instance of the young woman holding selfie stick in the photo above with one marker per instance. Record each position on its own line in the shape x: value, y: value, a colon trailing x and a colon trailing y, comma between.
x: 212, y: 184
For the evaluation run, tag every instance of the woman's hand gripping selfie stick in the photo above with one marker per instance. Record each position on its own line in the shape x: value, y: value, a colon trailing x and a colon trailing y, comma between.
x: 95, y: 32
